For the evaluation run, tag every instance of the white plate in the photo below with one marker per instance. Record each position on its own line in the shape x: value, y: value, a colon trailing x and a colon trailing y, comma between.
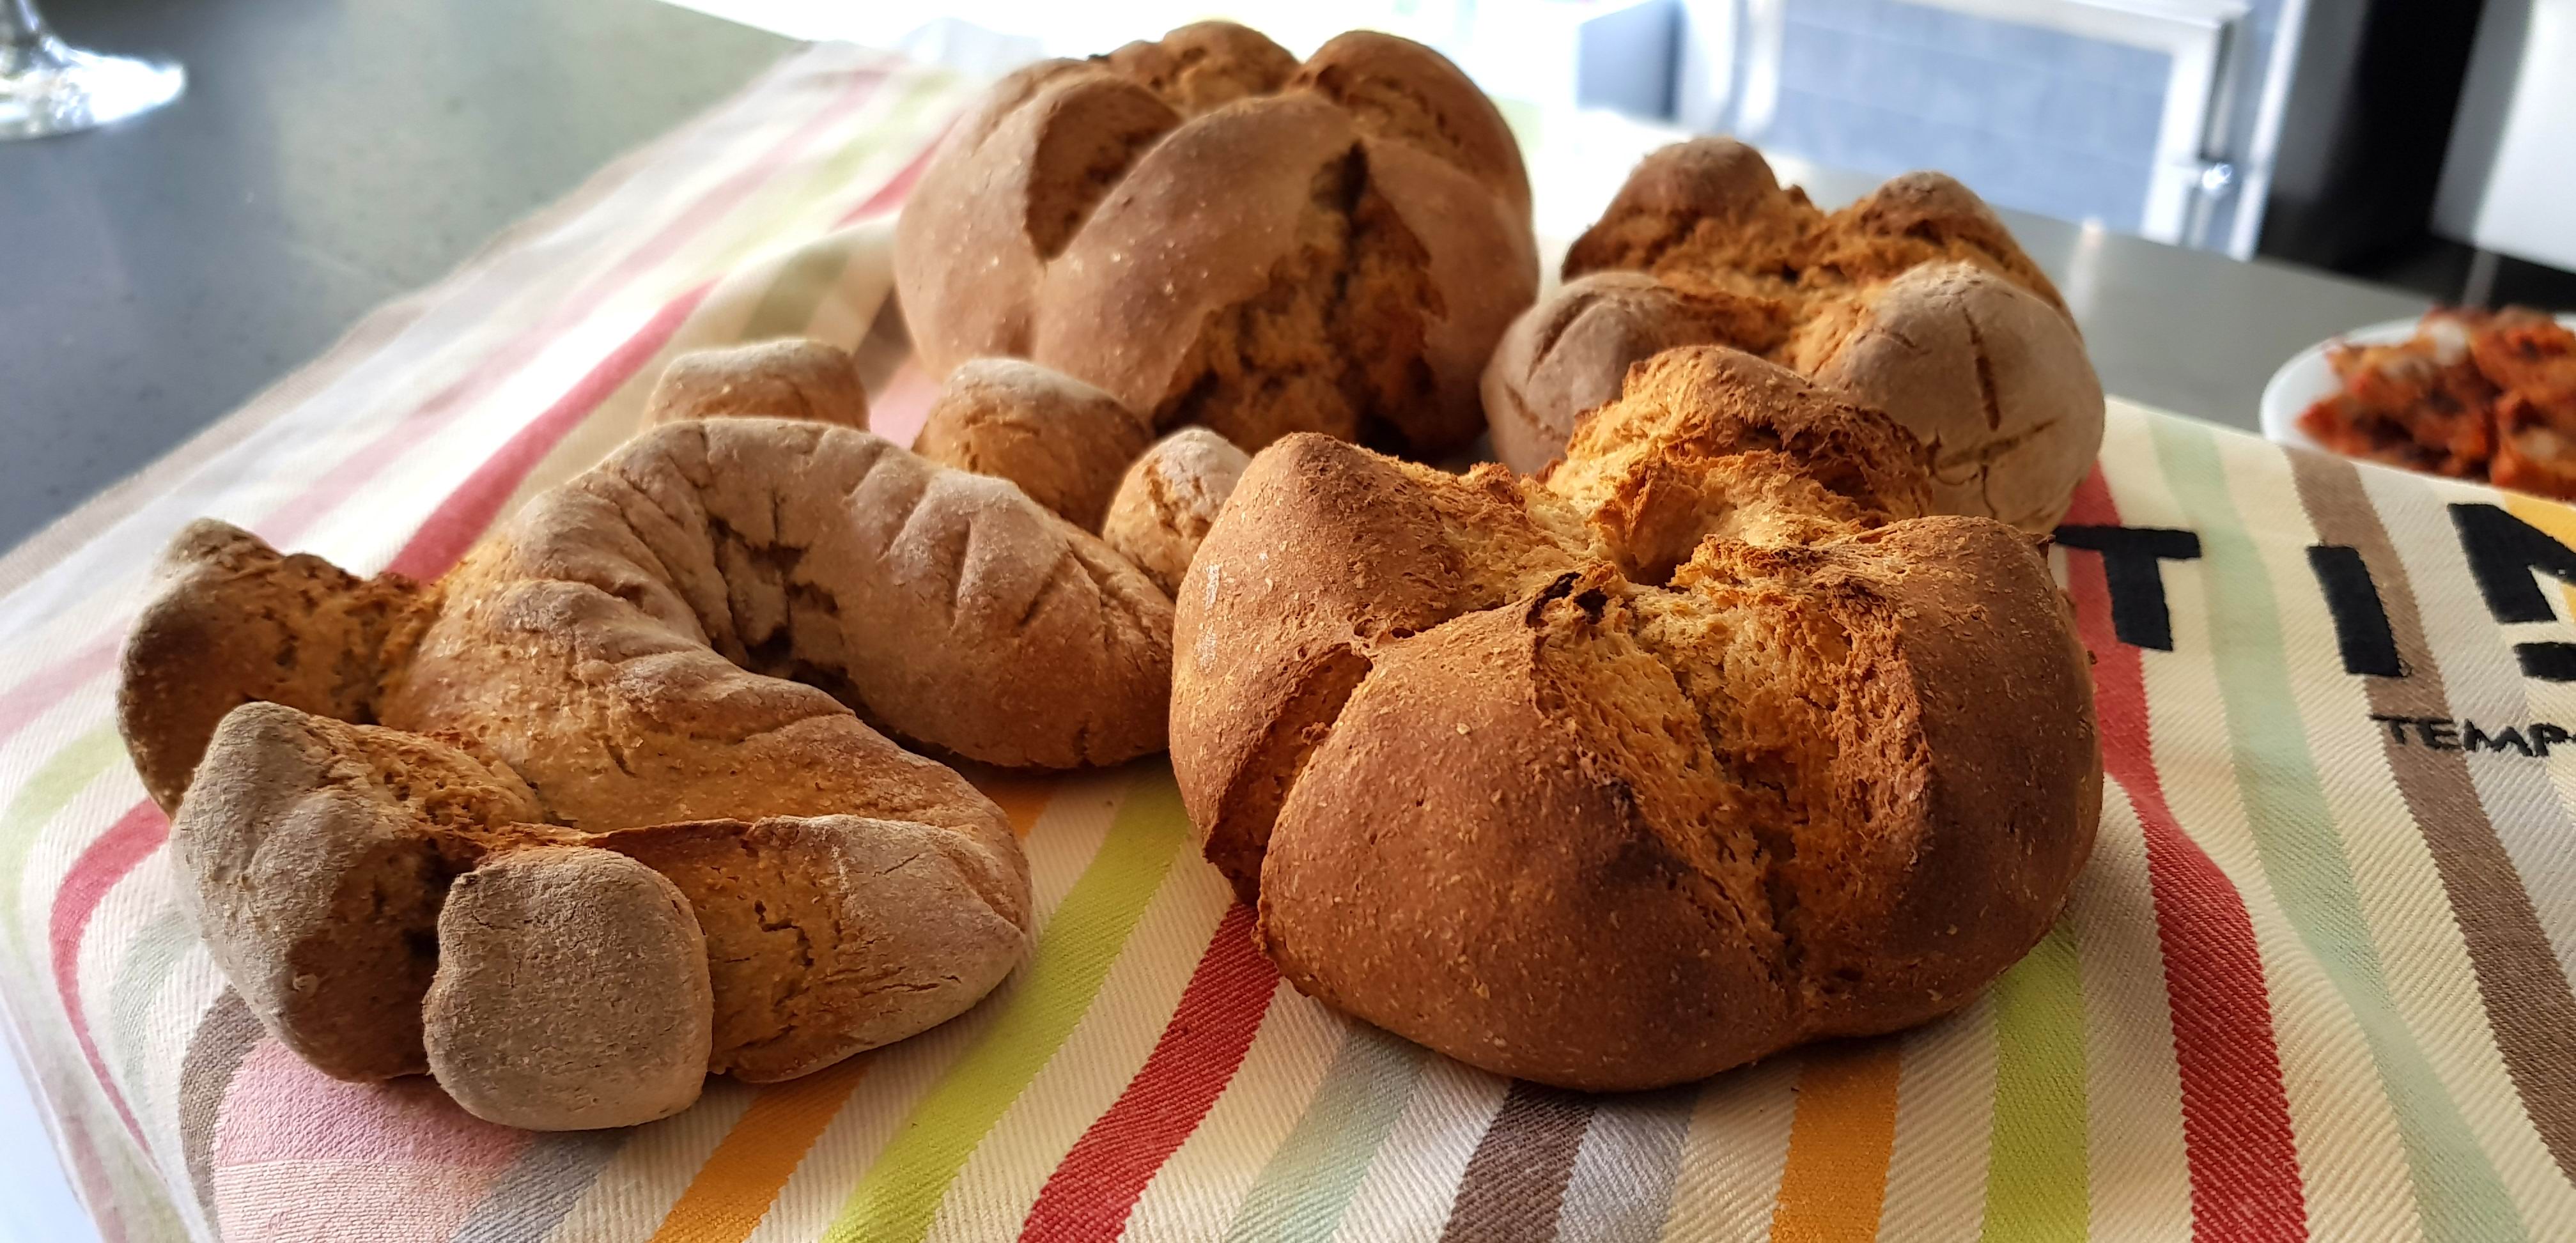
x: 2307, y: 377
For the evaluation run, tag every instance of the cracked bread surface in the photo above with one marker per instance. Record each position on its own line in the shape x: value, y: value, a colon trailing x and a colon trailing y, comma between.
x: 1508, y: 775
x: 311, y: 861
x: 1216, y: 234
x: 1550, y: 369
x: 1915, y: 300
x: 713, y: 584
x: 681, y: 656
x: 1990, y: 379
x: 1205, y: 65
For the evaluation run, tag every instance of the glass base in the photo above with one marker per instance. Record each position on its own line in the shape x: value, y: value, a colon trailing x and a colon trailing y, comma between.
x: 49, y: 87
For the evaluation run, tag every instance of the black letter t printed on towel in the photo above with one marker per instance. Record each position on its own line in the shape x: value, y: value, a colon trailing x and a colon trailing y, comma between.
x: 2133, y: 567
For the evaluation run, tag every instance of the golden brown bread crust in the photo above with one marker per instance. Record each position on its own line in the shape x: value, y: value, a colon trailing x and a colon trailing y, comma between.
x: 1711, y: 197
x: 1205, y: 65
x: 791, y: 378
x: 613, y: 671
x: 314, y: 856
x: 1476, y: 922
x: 1712, y: 441
x: 1400, y: 91
x: 1924, y: 217
x: 1211, y: 239
x: 1168, y: 500
x: 1915, y: 299
x: 303, y: 862
x: 1508, y: 777
x: 1569, y: 355
x: 1063, y: 441
x: 943, y: 605
x: 1288, y: 627
x: 832, y: 934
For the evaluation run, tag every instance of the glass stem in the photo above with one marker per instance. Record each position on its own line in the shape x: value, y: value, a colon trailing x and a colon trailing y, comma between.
x: 20, y: 24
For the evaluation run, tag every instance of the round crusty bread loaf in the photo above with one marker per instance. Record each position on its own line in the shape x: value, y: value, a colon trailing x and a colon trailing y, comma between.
x: 1708, y: 746
x: 1914, y: 299
x: 1214, y: 234
x: 1570, y: 353
x: 1063, y: 441
x: 1993, y: 380
x: 638, y: 662
x: 1169, y: 499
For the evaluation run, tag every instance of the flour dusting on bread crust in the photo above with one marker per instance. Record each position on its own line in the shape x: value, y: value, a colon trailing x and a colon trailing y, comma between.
x: 1169, y: 498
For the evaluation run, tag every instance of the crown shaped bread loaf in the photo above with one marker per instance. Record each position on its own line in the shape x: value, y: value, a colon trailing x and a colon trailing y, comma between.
x: 1915, y: 301
x: 1710, y: 742
x: 1215, y: 234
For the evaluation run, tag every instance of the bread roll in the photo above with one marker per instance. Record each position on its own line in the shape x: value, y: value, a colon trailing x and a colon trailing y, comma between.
x: 302, y: 864
x: 1569, y: 355
x: 1064, y: 442
x: 1169, y: 498
x: 571, y: 992
x: 787, y: 379
x: 1984, y: 372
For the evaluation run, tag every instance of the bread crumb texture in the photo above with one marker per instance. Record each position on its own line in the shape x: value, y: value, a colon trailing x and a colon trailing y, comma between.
x: 1711, y: 742
x: 1215, y: 234
x: 1915, y: 300
x: 681, y: 659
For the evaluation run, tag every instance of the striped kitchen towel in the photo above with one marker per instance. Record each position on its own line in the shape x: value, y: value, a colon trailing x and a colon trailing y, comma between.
x: 2315, y: 983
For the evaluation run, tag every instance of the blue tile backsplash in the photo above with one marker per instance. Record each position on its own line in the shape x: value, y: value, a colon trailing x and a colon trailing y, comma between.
x: 2029, y: 117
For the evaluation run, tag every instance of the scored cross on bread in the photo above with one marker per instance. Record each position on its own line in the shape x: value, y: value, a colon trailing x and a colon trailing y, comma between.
x: 1914, y: 301
x: 1704, y: 745
x: 1216, y: 234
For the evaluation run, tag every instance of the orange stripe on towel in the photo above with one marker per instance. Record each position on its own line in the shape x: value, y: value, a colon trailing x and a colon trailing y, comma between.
x: 1023, y: 796
x: 743, y: 1176
x: 1835, y: 1180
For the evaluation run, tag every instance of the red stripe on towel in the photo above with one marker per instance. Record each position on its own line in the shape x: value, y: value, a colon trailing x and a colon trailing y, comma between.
x: 1098, y: 1183
x: 2244, y: 1160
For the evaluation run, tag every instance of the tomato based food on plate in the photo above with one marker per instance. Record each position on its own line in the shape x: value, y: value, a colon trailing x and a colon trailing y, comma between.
x: 2473, y: 394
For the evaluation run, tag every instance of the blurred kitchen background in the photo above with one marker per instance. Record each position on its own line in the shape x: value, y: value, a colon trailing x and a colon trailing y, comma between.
x: 2425, y: 143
